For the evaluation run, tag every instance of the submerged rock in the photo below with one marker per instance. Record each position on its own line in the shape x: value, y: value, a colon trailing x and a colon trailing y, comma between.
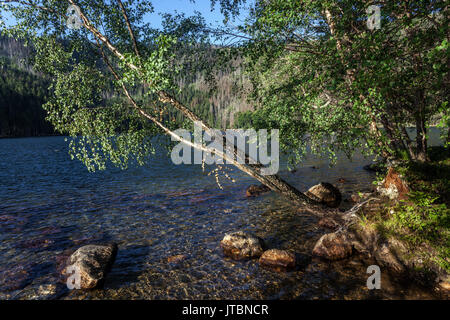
x: 41, y: 292
x: 7, y: 218
x: 280, y: 260
x: 255, y: 190
x: 36, y: 243
x: 242, y: 245
x: 8, y: 222
x: 333, y: 246
x: 93, y: 263
x: 15, y: 278
x: 176, y: 259
x: 325, y: 193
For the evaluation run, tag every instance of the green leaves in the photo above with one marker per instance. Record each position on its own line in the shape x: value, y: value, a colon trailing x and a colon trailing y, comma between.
x: 423, y: 217
x: 159, y: 68
x: 87, y: 101
x: 317, y: 73
x: 317, y: 70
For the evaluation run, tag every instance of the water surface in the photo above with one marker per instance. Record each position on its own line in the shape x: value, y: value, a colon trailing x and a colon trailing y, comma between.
x: 50, y: 206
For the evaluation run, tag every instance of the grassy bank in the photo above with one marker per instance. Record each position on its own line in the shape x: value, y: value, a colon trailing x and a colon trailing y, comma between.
x: 419, y: 224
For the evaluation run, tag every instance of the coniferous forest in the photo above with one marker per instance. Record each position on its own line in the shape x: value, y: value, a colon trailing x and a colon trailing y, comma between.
x: 23, y: 92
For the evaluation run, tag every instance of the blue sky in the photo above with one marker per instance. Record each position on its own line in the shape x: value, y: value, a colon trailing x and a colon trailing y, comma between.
x: 187, y: 7
x: 182, y: 6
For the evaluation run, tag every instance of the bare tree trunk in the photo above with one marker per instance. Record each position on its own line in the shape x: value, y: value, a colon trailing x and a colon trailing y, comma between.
x: 408, y: 143
x: 421, y: 140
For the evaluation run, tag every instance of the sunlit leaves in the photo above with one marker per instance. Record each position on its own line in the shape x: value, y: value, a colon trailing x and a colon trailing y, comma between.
x: 87, y: 102
x: 319, y: 72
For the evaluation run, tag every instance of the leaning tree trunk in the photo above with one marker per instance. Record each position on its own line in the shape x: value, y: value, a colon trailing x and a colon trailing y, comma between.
x: 274, y: 182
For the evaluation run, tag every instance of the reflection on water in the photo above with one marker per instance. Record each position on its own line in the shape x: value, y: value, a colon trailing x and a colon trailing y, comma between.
x: 50, y: 205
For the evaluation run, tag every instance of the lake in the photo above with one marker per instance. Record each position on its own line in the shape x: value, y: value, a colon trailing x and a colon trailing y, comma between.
x: 51, y: 205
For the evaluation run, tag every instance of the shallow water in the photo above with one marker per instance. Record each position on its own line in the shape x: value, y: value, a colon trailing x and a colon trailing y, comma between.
x: 50, y: 205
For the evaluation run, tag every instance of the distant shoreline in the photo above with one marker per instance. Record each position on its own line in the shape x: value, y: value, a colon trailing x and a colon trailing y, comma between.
x: 60, y: 135
x: 38, y: 136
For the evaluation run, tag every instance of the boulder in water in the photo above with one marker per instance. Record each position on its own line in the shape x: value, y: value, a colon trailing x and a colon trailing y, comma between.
x: 242, y: 245
x: 333, y: 246
x: 15, y: 278
x: 255, y: 190
x: 279, y: 260
x: 93, y: 262
x: 325, y: 193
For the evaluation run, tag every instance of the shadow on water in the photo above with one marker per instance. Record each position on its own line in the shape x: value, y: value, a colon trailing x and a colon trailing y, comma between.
x: 130, y: 262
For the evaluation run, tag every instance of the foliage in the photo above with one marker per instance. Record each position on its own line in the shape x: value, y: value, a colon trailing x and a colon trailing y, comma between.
x: 423, y: 217
x: 317, y: 73
x: 322, y: 77
x: 87, y: 102
x: 420, y: 221
x: 214, y: 103
x: 423, y: 220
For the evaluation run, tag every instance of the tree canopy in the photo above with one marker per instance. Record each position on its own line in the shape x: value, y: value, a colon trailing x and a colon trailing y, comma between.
x: 318, y: 74
x: 319, y: 71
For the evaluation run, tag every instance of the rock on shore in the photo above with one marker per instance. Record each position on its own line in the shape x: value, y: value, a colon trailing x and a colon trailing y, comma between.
x: 394, y: 186
x: 325, y: 193
x: 242, y: 245
x: 333, y: 246
x: 280, y: 260
x: 93, y: 263
x: 395, y: 255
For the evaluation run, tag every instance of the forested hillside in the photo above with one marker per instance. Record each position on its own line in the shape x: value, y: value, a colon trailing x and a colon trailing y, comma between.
x: 23, y: 92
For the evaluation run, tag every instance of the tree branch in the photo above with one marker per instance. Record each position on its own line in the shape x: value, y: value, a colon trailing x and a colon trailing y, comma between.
x: 273, y: 182
x: 130, y: 30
